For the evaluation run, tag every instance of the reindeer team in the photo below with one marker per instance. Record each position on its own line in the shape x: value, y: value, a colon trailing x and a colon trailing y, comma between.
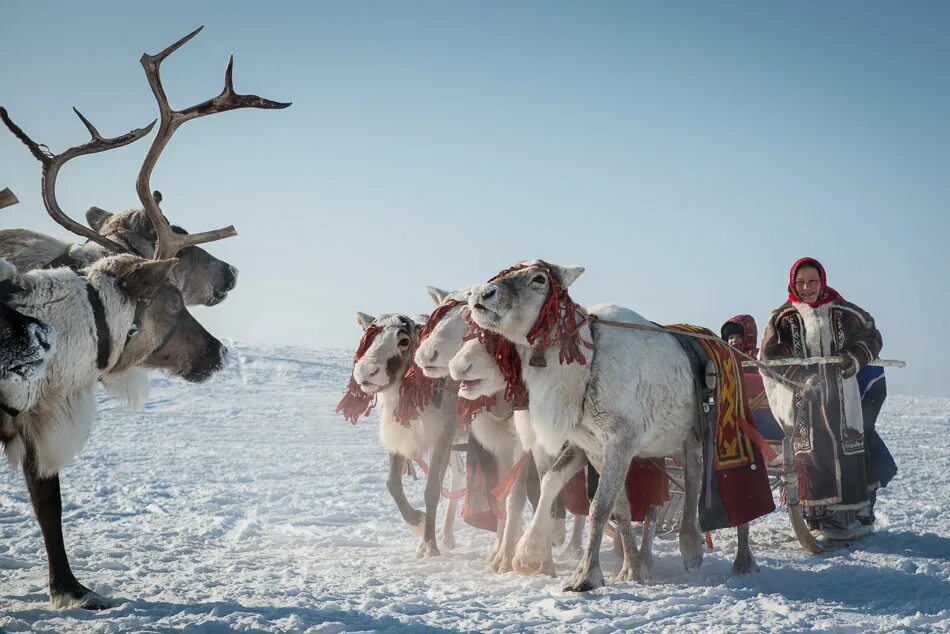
x: 545, y: 402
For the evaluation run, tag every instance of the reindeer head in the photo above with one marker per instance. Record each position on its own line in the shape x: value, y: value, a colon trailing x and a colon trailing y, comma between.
x: 201, y: 277
x: 25, y: 343
x: 162, y: 334
x: 441, y: 336
x: 476, y: 370
x: 387, y: 354
x: 511, y: 303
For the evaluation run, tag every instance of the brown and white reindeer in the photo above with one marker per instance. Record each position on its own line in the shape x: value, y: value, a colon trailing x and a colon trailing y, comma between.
x: 120, y: 312
x: 417, y: 415
x: 602, y: 394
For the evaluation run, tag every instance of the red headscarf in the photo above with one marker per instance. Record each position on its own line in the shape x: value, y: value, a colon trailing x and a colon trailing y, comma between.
x: 750, y: 334
x: 825, y: 295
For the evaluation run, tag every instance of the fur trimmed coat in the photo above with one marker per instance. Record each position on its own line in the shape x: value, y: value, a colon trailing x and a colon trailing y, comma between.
x: 827, y: 432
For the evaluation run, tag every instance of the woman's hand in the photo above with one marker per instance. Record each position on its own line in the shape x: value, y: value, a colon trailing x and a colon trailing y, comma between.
x: 812, y: 389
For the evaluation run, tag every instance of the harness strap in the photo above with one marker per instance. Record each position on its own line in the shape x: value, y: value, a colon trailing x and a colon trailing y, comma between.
x: 751, y: 361
x: 103, y: 336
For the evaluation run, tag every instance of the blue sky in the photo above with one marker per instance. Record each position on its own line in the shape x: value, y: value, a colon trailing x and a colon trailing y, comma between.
x: 685, y: 153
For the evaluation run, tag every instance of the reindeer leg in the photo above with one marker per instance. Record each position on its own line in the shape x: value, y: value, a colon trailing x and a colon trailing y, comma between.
x: 544, y: 460
x: 533, y: 554
x: 646, y: 538
x: 691, y: 539
x: 576, y: 546
x: 744, y: 563
x: 439, y: 461
x: 588, y: 574
x: 64, y: 590
x: 634, y: 567
x: 457, y: 479
x: 412, y: 516
x: 514, y: 506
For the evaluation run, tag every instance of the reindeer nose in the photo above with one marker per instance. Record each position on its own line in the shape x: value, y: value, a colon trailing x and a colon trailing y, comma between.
x: 433, y: 356
x: 489, y: 292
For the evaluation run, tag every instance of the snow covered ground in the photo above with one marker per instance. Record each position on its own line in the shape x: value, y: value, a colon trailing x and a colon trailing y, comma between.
x: 246, y: 504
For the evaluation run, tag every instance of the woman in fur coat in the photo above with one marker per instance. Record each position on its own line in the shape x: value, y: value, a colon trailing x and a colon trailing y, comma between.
x: 819, y: 406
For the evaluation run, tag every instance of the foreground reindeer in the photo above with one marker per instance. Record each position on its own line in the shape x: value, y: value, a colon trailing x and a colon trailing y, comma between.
x: 25, y: 343
x: 611, y: 394
x: 416, y: 416
x: 120, y: 313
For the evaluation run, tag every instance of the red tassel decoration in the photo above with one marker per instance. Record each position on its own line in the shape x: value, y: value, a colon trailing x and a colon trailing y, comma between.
x: 560, y: 319
x: 468, y: 409
x: 356, y: 402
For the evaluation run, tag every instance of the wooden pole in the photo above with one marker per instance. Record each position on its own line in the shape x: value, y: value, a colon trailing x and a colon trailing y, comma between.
x: 778, y: 363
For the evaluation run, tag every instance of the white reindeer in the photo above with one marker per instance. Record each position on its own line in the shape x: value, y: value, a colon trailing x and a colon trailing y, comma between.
x: 605, y: 395
x: 380, y: 372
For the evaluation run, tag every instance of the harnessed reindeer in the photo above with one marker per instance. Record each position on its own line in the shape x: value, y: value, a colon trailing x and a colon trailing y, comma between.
x: 416, y: 416
x: 120, y: 313
x: 600, y: 394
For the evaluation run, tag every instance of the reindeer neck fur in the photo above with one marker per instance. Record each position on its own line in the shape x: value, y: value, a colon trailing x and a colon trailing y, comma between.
x: 555, y: 393
x: 495, y: 431
x: 57, y: 411
x: 419, y: 437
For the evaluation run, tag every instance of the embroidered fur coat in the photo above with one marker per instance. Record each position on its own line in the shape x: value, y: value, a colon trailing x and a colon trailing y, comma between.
x: 827, y: 432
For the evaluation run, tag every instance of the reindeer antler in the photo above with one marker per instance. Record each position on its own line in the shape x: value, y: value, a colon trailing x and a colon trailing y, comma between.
x: 52, y: 163
x: 7, y: 198
x: 169, y: 243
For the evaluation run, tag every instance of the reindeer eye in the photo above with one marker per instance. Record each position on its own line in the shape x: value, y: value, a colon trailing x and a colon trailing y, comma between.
x: 539, y: 279
x: 133, y: 331
x: 404, y: 342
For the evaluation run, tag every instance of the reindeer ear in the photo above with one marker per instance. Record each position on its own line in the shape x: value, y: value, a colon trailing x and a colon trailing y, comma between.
x: 567, y: 273
x: 437, y: 294
x: 364, y: 320
x: 146, y: 278
x: 96, y: 217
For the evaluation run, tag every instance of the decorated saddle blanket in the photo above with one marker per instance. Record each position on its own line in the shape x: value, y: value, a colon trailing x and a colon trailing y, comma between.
x: 735, y: 484
x: 646, y: 485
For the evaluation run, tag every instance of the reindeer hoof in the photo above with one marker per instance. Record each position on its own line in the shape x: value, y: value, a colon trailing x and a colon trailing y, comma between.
x: 585, y: 581
x: 418, y: 525
x: 448, y: 542
x: 744, y: 565
x: 693, y: 562
x: 501, y: 562
x: 639, y: 572
x: 428, y: 549
x: 79, y: 596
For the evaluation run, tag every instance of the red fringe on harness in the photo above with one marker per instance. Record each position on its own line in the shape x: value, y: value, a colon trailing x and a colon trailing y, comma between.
x: 468, y: 409
x: 415, y: 393
x: 356, y: 402
x: 507, y: 359
x: 559, y: 320
x: 435, y: 317
x: 417, y: 389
